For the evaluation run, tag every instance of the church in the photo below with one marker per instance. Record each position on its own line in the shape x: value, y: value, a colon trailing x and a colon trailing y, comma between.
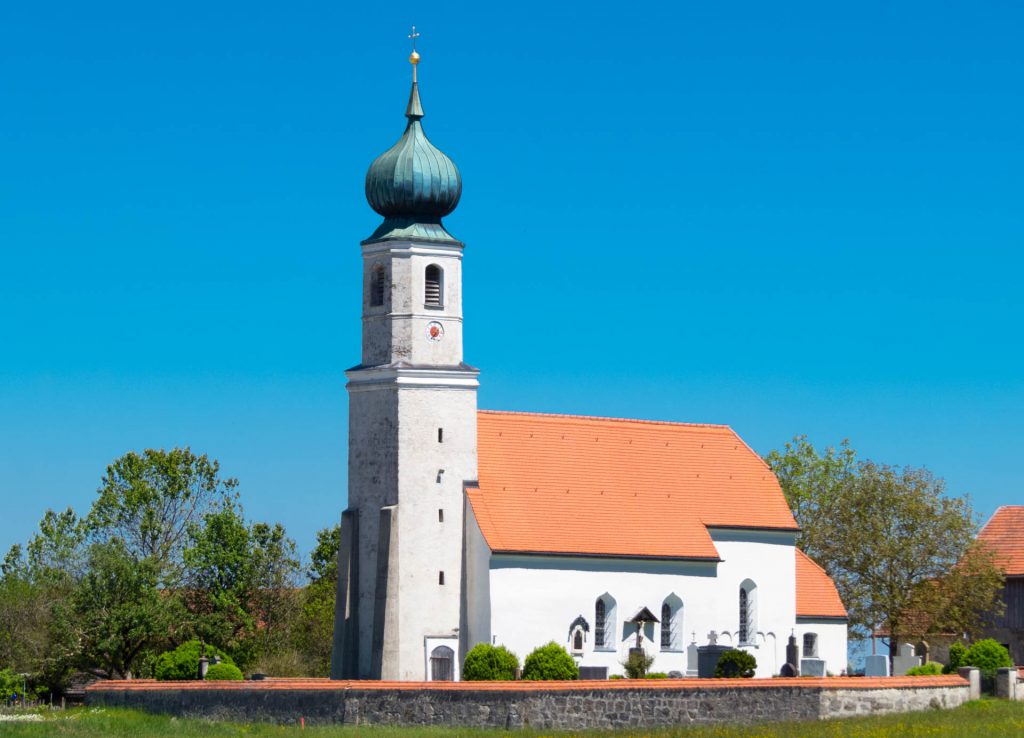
x: 469, y: 526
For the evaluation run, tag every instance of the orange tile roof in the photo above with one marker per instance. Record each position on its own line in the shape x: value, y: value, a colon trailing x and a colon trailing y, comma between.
x: 566, y: 484
x: 1004, y: 534
x: 816, y: 593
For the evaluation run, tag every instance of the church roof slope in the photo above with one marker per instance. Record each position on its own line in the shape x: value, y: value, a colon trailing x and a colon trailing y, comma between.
x: 1004, y: 534
x: 816, y: 593
x: 573, y: 485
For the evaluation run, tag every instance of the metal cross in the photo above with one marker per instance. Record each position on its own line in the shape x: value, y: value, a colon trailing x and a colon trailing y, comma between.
x: 413, y: 36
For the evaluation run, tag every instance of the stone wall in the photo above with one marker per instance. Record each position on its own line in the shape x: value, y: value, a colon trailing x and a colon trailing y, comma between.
x: 545, y: 706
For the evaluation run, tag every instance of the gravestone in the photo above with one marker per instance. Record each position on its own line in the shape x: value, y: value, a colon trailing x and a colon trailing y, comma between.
x: 675, y: 674
x: 788, y: 670
x: 905, y: 660
x: 812, y: 667
x: 876, y: 665
x: 691, y: 659
x: 593, y: 672
x: 793, y: 655
x: 707, y: 660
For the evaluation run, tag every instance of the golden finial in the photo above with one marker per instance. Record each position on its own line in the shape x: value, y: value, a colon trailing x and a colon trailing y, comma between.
x: 414, y: 57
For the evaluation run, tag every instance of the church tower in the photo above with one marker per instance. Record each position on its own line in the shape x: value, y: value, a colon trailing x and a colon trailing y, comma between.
x: 412, y: 427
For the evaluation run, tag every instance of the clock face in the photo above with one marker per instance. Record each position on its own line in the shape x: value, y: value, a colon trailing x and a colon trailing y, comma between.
x: 435, y: 331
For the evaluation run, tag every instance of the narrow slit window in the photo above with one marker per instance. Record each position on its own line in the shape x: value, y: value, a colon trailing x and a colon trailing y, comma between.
x: 377, y: 279
x: 434, y: 286
x: 440, y: 577
x: 440, y: 515
x: 440, y: 435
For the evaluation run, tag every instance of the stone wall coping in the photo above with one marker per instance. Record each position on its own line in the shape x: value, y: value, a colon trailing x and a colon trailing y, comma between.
x: 306, y: 685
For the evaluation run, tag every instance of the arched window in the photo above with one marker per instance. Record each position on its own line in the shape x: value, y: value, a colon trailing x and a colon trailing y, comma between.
x: 672, y: 624
x: 577, y: 641
x: 748, y: 612
x: 604, y: 622
x: 810, y: 645
x: 442, y: 660
x: 434, y: 290
x: 377, y: 279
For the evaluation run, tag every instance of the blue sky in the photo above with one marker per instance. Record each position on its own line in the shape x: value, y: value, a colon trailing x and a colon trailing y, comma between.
x: 794, y: 217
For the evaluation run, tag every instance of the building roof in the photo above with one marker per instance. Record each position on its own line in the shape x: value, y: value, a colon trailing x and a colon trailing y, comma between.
x: 816, y: 593
x: 1004, y: 534
x: 573, y: 485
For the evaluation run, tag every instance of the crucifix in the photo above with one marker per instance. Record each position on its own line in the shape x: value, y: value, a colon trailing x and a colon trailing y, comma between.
x: 414, y: 57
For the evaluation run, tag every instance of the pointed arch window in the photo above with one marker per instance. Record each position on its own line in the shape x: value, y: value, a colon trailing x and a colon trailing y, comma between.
x: 604, y: 622
x: 748, y: 612
x: 442, y: 664
x: 378, y: 278
x: 433, y: 291
x: 672, y: 624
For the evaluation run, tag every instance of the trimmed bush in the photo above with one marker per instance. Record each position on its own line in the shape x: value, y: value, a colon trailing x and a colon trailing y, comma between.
x: 183, y: 662
x: 637, y: 664
x: 655, y: 675
x: 550, y: 662
x: 988, y: 655
x: 932, y: 668
x: 735, y: 663
x: 487, y: 663
x: 224, y: 672
x: 957, y: 651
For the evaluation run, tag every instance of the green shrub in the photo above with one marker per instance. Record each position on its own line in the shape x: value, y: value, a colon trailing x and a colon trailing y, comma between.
x: 988, y: 655
x: 957, y: 651
x: 487, y: 663
x: 735, y: 663
x: 183, y: 662
x: 224, y: 672
x: 655, y: 675
x: 637, y: 664
x: 616, y: 676
x: 930, y: 669
x: 550, y: 662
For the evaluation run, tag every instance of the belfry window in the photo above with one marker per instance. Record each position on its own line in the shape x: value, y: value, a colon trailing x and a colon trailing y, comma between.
x: 434, y: 288
x: 377, y: 279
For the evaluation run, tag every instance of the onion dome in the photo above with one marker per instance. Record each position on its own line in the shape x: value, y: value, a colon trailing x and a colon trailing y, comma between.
x: 413, y: 184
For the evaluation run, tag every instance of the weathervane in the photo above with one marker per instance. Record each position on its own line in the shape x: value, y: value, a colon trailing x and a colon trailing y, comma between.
x: 414, y: 57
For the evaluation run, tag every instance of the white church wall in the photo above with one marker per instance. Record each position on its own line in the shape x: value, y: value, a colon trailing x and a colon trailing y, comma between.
x: 831, y: 641
x: 534, y: 599
x: 476, y: 590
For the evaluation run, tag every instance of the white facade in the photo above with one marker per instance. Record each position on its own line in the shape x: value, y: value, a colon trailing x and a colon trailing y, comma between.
x: 536, y: 599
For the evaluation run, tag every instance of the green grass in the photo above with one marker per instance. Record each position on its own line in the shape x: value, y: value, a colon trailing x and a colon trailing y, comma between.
x: 984, y: 719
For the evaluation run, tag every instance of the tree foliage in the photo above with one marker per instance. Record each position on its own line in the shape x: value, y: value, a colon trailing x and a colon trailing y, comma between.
x: 901, y: 551
x: 151, y: 500
x: 735, y: 663
x: 183, y: 662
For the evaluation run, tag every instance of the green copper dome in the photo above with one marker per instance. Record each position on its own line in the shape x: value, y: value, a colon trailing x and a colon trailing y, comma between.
x: 413, y: 184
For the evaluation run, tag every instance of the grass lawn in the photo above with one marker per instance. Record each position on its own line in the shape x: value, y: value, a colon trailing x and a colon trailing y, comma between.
x: 984, y: 719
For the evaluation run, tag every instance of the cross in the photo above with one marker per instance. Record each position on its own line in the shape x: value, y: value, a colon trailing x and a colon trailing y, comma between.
x: 413, y: 36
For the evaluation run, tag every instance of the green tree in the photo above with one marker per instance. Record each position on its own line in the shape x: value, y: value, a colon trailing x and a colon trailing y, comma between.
x: 315, y: 622
x: 118, y: 609
x: 901, y: 551
x: 810, y: 479
x: 240, y: 583
x: 151, y: 500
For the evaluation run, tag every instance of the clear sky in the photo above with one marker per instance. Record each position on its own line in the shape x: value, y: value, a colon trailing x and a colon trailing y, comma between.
x: 795, y: 217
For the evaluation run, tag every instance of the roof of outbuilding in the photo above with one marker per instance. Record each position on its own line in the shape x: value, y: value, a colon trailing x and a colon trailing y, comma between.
x: 816, y: 593
x: 590, y: 486
x: 1004, y: 534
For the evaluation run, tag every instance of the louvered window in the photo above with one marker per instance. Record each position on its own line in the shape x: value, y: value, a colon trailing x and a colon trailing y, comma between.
x: 377, y: 279
x: 434, y: 284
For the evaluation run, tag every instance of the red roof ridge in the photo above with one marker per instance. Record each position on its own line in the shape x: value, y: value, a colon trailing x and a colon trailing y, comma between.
x: 608, y: 419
